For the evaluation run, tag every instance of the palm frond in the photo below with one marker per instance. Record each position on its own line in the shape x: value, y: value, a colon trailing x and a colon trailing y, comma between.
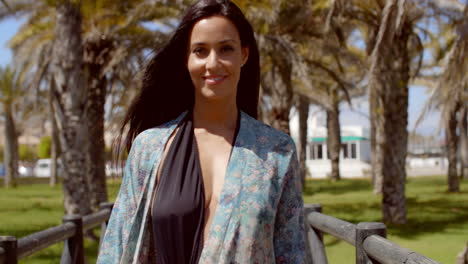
x: 452, y: 85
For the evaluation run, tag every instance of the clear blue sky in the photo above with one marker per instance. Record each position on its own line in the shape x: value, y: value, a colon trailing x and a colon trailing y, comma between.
x: 417, y: 95
x: 8, y: 28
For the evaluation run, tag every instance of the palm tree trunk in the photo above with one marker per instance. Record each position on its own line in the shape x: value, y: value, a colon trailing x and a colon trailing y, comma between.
x: 303, y: 109
x: 377, y: 177
x: 55, y: 141
x: 11, y: 148
x: 281, y: 98
x: 69, y: 106
x: 464, y: 142
x: 389, y: 80
x: 97, y: 54
x: 393, y: 149
x: 334, y: 137
x: 451, y: 139
x: 392, y: 137
x: 96, y: 175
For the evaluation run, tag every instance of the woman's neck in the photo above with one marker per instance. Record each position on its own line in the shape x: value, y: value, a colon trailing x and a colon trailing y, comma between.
x: 215, y: 116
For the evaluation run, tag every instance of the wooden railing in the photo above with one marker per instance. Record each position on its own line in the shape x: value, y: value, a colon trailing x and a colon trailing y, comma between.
x: 71, y: 232
x: 368, y: 238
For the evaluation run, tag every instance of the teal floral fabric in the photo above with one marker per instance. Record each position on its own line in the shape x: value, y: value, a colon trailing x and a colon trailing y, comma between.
x: 259, y: 218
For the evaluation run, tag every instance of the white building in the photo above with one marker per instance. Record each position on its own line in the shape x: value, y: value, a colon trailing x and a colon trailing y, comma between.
x: 424, y: 159
x: 354, y: 155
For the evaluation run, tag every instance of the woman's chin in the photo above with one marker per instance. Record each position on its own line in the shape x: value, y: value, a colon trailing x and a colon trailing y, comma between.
x: 215, y: 94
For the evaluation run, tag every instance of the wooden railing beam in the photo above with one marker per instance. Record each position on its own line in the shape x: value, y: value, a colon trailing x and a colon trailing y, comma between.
x: 334, y: 226
x: 30, y: 244
x: 363, y: 230
x: 387, y: 252
x: 316, y: 249
x: 94, y: 220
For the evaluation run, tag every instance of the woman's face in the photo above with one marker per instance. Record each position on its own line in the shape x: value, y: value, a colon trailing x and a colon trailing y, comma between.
x: 215, y: 58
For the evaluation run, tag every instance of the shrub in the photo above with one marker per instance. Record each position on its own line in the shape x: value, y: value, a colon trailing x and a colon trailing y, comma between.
x: 44, y: 147
x: 26, y: 153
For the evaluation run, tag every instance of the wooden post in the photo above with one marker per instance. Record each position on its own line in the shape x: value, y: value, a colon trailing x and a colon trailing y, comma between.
x: 462, y: 257
x: 10, y: 245
x: 315, y: 247
x: 73, y: 251
x: 104, y: 206
x: 363, y: 230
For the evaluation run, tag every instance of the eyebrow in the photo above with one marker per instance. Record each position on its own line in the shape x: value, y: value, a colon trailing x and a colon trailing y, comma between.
x: 220, y: 42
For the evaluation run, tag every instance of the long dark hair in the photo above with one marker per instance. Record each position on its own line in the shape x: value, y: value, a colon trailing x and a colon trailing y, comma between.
x: 166, y: 89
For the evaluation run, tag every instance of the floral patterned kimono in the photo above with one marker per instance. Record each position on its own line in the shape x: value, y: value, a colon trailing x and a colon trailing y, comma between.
x: 259, y: 218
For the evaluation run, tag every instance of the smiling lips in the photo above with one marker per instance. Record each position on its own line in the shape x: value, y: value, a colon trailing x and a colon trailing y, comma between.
x: 214, y: 79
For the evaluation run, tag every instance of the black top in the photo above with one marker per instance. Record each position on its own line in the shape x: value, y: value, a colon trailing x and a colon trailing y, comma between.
x: 178, y: 210
x: 179, y: 205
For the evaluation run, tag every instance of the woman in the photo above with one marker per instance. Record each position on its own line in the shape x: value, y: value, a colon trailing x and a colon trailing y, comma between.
x: 205, y: 182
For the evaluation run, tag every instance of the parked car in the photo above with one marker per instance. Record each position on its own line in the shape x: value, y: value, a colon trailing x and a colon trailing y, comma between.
x: 113, y: 171
x: 42, y: 168
x: 23, y: 171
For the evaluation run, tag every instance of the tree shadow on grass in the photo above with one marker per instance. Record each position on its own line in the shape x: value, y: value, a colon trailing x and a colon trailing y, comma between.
x: 431, y: 216
x: 426, y: 216
x: 338, y: 187
x: 423, y: 217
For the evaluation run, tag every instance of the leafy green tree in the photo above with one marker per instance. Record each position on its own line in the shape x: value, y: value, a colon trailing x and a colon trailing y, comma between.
x: 44, y: 148
x: 26, y: 153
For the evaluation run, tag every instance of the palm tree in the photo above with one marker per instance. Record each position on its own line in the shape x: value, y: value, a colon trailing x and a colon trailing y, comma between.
x: 395, y: 52
x: 114, y: 44
x: 389, y: 77
x: 334, y: 68
x: 451, y: 95
x: 303, y: 59
x: 111, y: 50
x: 277, y: 82
x: 68, y: 100
x: 9, y: 93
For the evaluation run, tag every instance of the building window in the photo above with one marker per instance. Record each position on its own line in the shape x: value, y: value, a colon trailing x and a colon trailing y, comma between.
x: 345, y: 150
x: 353, y: 151
x: 349, y: 150
x: 319, y: 151
x: 316, y: 151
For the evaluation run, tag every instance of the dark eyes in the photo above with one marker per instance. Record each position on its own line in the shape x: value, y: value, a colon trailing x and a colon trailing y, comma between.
x: 198, y: 51
x: 227, y: 48
x: 203, y: 51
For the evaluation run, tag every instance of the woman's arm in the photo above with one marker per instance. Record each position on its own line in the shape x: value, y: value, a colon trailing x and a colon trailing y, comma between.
x: 289, y: 236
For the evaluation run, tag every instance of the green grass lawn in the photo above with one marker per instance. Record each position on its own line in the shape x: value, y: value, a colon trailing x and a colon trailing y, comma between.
x: 437, y: 221
x: 34, y: 206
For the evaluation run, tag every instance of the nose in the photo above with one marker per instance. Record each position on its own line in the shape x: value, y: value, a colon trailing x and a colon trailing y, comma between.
x: 212, y: 61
